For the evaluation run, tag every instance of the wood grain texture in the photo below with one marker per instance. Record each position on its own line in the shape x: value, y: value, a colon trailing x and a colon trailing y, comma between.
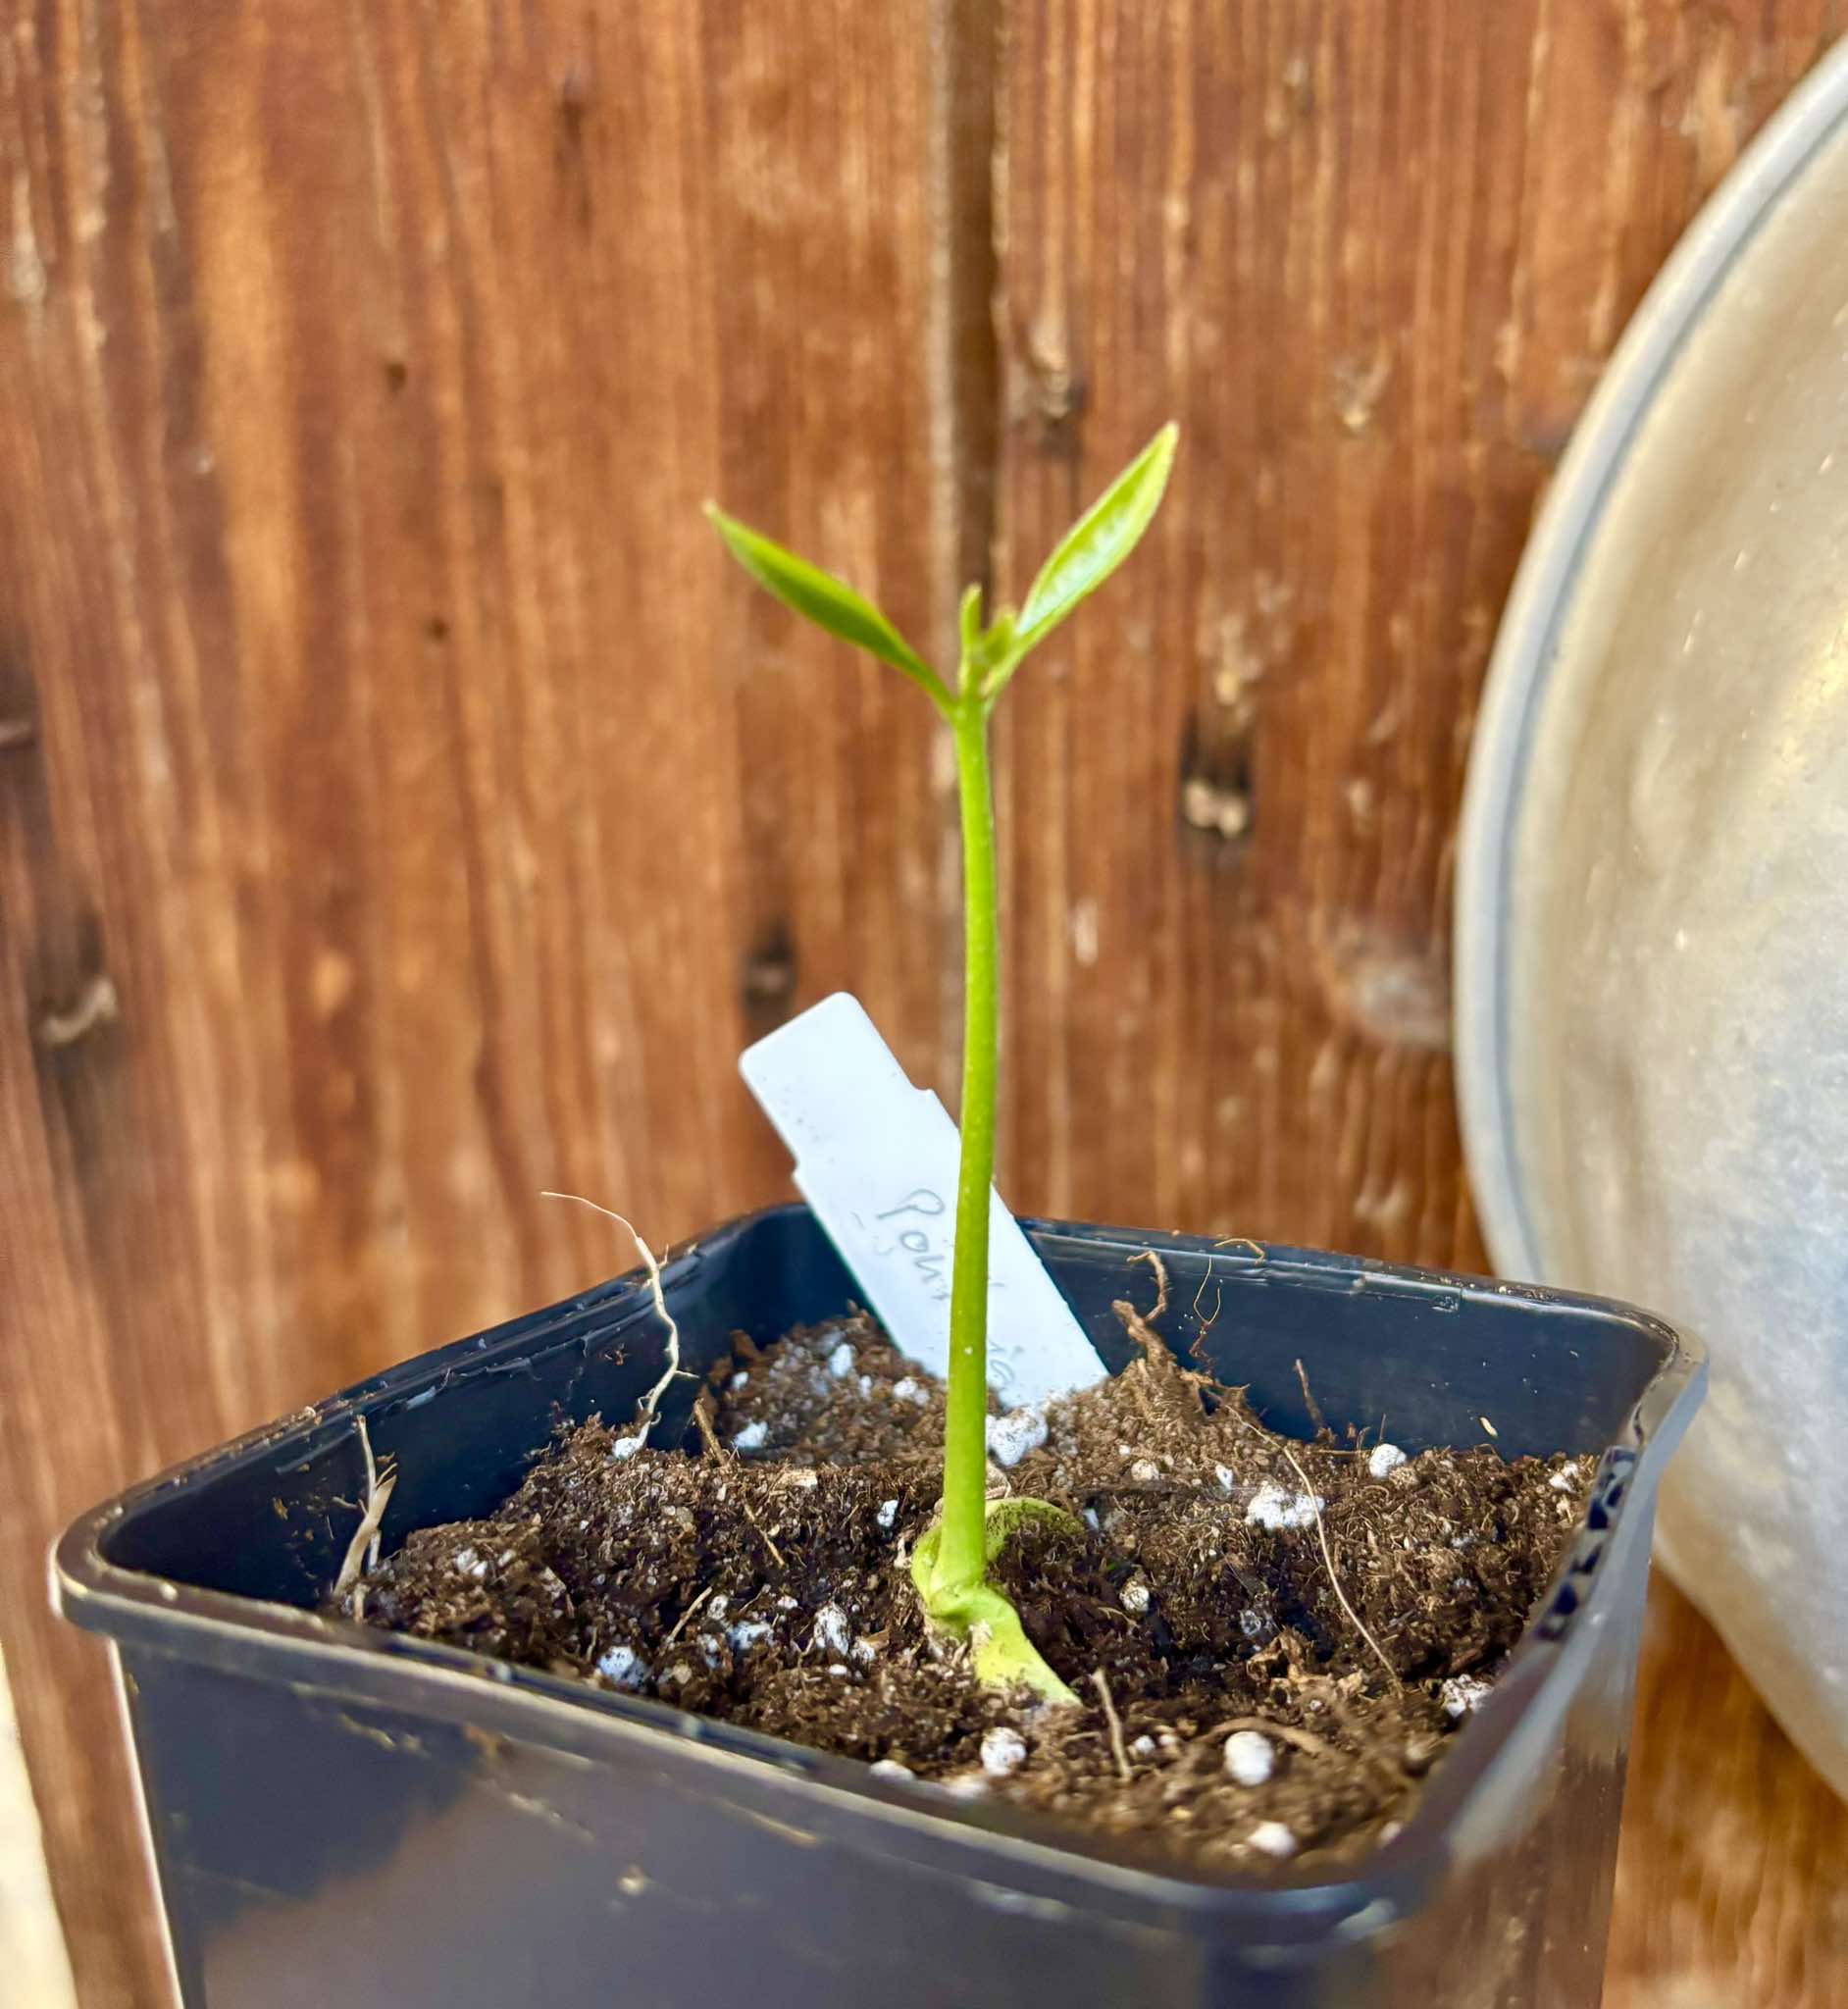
x: 1373, y: 257
x: 439, y: 808
x: 402, y: 809
x: 1733, y: 1873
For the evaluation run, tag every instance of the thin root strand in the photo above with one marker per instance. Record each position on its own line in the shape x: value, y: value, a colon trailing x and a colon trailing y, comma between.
x: 1118, y: 1751
x: 362, y: 1552
x: 651, y: 1401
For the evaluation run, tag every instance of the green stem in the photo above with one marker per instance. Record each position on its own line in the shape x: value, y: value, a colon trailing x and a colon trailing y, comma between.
x: 961, y: 1557
x: 951, y: 1562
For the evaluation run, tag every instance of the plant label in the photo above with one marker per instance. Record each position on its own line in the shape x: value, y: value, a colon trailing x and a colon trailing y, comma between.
x: 876, y: 1159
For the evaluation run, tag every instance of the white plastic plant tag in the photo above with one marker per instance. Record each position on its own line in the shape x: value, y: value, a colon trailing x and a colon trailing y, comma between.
x: 876, y: 1159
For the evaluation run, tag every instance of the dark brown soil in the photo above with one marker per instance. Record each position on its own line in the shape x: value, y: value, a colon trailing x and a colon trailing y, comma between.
x: 767, y: 1583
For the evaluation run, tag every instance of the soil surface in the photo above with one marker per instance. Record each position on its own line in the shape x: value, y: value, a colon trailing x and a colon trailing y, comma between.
x: 1271, y: 1640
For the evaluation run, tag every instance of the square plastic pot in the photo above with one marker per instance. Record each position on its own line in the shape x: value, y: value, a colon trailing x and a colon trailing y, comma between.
x: 343, y: 1816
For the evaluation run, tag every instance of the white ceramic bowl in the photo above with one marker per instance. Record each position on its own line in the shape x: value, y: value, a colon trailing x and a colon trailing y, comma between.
x: 1652, y: 915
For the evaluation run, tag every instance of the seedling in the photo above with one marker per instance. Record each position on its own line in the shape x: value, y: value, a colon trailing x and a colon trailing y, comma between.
x: 952, y: 1559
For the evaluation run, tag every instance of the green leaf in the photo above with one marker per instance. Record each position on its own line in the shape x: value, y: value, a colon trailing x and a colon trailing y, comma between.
x: 1004, y: 1656
x: 1094, y: 547
x: 824, y: 601
x: 1004, y: 1518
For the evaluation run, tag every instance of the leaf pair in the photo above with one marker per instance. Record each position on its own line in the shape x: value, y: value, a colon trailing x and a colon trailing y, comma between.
x: 1085, y: 557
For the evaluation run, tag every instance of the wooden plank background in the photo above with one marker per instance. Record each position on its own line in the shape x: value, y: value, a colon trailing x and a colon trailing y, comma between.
x: 402, y: 809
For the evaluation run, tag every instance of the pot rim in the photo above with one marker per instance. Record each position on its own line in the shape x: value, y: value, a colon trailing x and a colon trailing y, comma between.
x: 311, y: 1652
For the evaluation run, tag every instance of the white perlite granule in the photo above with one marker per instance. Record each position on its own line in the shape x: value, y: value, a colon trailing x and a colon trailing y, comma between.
x: 1250, y: 1757
x: 832, y: 1632
x: 1461, y: 1695
x: 1273, y: 1837
x: 1011, y: 1437
x: 1274, y: 1510
x: 1003, y: 1750
x: 625, y: 1667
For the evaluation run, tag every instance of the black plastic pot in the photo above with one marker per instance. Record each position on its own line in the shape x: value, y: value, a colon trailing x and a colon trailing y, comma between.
x: 343, y: 1816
